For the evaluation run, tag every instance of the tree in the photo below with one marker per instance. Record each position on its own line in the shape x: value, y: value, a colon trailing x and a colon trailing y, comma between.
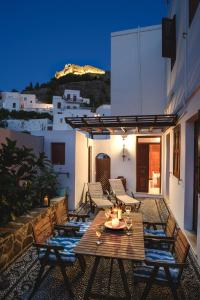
x: 37, y: 86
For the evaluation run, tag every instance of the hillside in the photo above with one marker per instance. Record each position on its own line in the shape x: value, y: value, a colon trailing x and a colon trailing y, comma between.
x: 95, y: 87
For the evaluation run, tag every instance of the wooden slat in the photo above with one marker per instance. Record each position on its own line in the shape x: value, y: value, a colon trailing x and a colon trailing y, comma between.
x: 115, y: 245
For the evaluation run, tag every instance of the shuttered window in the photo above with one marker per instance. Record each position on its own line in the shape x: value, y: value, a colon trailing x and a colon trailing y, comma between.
x: 193, y: 5
x: 177, y: 151
x: 169, y: 39
x: 58, y: 153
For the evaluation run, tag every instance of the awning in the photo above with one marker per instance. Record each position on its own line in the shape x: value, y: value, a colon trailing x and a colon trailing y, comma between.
x: 122, y: 124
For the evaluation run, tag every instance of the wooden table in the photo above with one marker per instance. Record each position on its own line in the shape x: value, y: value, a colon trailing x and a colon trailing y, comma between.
x: 116, y: 245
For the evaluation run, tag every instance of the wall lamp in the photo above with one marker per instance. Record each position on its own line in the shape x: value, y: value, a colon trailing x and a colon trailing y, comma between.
x: 124, y: 136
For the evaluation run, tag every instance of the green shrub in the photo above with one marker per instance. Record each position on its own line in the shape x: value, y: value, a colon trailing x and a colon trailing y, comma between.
x: 24, y: 180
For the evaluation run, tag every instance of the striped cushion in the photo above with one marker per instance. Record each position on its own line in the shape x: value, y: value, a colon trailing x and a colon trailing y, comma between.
x: 157, y: 232
x: 155, y: 254
x: 145, y: 271
x: 82, y: 225
x: 67, y: 254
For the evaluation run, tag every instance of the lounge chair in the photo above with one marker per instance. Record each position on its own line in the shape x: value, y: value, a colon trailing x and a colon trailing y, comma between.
x: 163, y: 267
x: 121, y: 196
x: 71, y: 220
x: 54, y: 251
x: 97, y: 197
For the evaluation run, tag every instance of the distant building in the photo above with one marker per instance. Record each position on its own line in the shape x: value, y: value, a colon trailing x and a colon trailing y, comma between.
x: 27, y: 102
x: 70, y: 105
x: 104, y: 110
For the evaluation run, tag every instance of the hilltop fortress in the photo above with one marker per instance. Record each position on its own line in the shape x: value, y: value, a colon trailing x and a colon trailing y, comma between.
x: 78, y: 70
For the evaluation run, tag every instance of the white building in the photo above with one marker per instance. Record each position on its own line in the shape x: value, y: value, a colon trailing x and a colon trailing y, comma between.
x: 181, y: 144
x: 27, y: 102
x: 104, y: 110
x: 70, y: 105
x: 29, y: 125
x: 137, y: 72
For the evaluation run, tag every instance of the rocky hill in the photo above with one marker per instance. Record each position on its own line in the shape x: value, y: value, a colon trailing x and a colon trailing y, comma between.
x: 93, y: 86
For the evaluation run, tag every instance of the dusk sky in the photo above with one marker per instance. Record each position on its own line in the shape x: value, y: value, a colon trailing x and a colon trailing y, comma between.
x: 38, y: 37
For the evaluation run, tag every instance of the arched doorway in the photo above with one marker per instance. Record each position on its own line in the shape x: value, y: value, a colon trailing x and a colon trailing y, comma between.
x: 103, y: 170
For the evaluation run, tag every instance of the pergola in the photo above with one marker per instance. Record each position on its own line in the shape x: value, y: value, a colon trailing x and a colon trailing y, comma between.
x: 106, y: 125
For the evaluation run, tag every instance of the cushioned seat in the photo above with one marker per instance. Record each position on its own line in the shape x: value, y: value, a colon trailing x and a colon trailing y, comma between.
x: 144, y: 271
x: 82, y: 225
x: 156, y: 232
x: 67, y: 254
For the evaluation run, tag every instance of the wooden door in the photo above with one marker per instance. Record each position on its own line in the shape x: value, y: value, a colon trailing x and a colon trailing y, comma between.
x: 142, y: 167
x: 103, y: 170
x: 196, y: 172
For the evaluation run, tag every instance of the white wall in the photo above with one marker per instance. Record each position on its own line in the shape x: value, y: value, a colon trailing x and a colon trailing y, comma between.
x: 113, y: 147
x: 81, y: 167
x: 28, y: 125
x: 66, y: 173
x: 184, y: 78
x: 181, y: 192
x: 137, y: 72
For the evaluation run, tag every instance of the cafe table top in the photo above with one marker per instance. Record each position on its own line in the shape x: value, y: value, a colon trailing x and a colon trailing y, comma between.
x: 116, y: 243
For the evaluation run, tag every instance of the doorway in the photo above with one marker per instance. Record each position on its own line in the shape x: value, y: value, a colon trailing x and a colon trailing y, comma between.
x: 103, y: 170
x: 196, y: 172
x: 148, y: 165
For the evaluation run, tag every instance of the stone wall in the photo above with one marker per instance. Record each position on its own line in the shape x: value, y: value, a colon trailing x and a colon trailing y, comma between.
x: 17, y: 236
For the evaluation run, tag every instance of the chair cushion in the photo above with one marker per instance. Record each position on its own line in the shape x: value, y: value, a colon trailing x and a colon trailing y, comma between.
x: 82, y: 225
x: 67, y: 254
x: 157, y: 232
x: 144, y: 271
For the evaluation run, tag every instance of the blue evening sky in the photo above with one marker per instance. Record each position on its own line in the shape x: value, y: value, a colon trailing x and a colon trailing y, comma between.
x: 37, y: 37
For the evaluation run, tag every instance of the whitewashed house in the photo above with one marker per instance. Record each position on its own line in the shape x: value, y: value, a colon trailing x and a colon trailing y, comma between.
x: 70, y: 105
x: 27, y: 102
x: 155, y: 71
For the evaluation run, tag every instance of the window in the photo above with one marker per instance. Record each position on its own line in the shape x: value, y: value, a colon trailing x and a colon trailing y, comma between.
x: 74, y: 98
x: 59, y: 105
x: 169, y: 39
x: 193, y: 5
x: 14, y: 105
x: 177, y: 151
x: 58, y: 153
x: 68, y: 96
x: 74, y: 107
x: 25, y: 98
x: 68, y: 106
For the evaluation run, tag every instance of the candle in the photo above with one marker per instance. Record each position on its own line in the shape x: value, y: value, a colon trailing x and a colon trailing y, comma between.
x: 46, y: 201
x: 119, y: 214
x: 115, y: 222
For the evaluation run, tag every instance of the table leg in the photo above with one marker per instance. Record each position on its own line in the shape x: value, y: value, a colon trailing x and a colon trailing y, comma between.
x: 124, y: 279
x: 109, y: 281
x: 92, y: 277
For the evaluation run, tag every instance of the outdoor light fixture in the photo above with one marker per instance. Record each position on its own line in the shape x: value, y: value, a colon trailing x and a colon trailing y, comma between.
x: 124, y: 147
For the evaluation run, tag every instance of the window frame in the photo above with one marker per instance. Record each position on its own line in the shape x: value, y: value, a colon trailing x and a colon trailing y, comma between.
x: 176, y: 151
